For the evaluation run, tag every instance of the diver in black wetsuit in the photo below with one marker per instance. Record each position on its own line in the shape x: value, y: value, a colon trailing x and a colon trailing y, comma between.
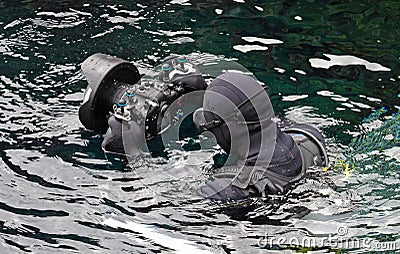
x: 265, y: 157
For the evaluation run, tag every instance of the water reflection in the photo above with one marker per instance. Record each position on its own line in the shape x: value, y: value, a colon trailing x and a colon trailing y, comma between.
x: 345, y: 61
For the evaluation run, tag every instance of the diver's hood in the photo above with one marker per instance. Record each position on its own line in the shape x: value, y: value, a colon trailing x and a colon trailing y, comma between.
x: 243, y: 92
x: 237, y: 110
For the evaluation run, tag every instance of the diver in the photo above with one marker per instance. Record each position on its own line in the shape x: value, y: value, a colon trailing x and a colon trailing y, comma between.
x: 265, y: 155
x: 264, y: 158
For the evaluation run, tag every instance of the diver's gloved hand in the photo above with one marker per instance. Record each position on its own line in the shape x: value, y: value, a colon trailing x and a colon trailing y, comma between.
x: 123, y: 137
x: 229, y: 183
x: 222, y: 189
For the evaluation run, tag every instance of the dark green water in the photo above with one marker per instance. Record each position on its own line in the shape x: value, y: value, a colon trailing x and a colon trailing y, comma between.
x: 331, y: 64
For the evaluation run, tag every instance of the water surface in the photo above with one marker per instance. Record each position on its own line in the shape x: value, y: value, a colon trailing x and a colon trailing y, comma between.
x: 329, y: 65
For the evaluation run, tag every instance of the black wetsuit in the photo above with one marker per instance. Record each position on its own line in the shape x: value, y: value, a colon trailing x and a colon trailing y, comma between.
x: 274, y: 157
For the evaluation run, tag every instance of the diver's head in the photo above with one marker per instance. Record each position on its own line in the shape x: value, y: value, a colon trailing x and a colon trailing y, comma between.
x: 234, y: 107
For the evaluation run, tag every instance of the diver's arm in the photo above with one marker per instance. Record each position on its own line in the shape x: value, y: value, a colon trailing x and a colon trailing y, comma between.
x: 124, y: 137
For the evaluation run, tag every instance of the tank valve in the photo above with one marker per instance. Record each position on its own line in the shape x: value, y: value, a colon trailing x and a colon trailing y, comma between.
x: 181, y: 61
x: 131, y: 96
x: 141, y: 89
x: 121, y: 106
x: 146, y: 85
x: 166, y: 68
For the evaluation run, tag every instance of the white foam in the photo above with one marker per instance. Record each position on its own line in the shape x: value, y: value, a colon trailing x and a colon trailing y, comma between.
x: 345, y: 60
x: 218, y: 11
x: 181, y: 40
x: 247, y: 48
x: 300, y: 72
x: 294, y: 97
x: 262, y: 40
x: 180, y: 2
x: 325, y: 93
x: 280, y: 70
x: 360, y: 105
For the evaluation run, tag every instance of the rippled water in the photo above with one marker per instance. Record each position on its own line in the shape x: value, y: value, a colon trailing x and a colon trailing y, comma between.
x: 329, y: 65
